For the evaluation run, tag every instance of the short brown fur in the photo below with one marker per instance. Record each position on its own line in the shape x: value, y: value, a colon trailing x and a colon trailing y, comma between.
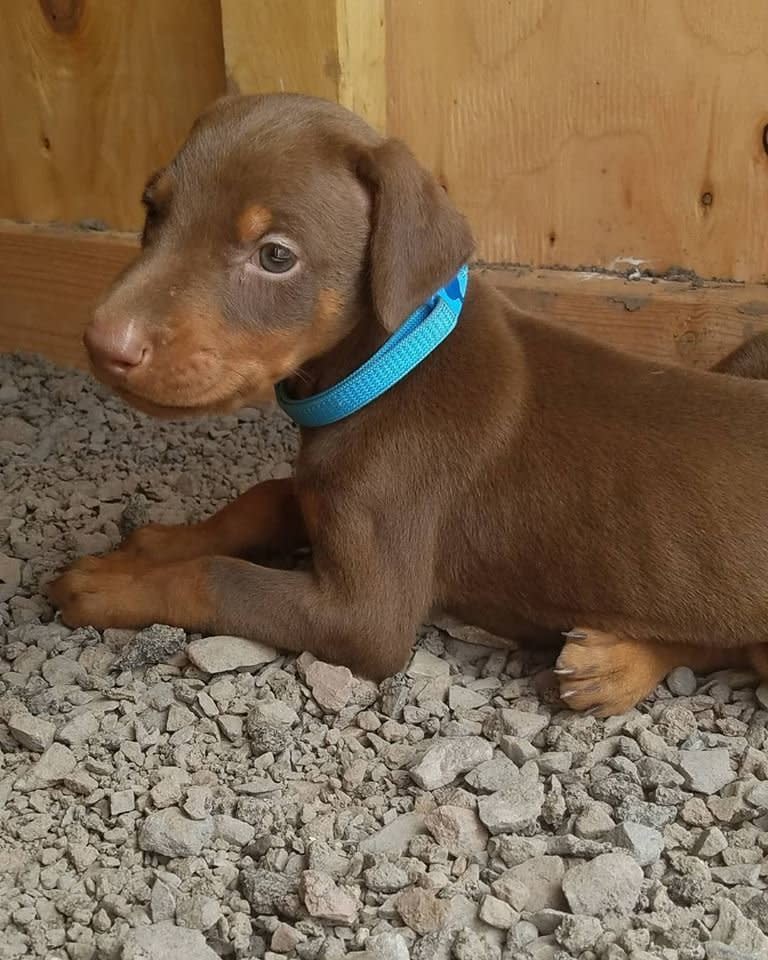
x: 522, y: 478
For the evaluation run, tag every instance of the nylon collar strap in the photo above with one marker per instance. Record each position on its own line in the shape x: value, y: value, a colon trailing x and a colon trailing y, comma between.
x: 423, y: 331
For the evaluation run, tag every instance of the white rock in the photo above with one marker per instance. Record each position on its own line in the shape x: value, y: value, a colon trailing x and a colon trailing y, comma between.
x: 331, y: 686
x: 425, y: 665
x: 53, y: 766
x: 122, y: 801
x: 31, y: 732
x: 542, y: 878
x: 496, y: 774
x: 523, y: 724
x: 61, y: 671
x: 223, y: 654
x: 421, y: 910
x: 468, y: 634
x: 447, y: 758
x: 80, y: 782
x: 383, y: 946
x: 179, y: 717
x: 515, y: 809
x: 609, y: 883
x: 497, y: 913
x: 198, y: 803
x: 234, y: 831
x: 644, y: 843
x: 79, y: 730
x: 327, y: 901
x: 457, y: 828
x: 462, y: 698
x: 171, y: 834
x: 166, y: 941
x: 395, y: 837
x: 166, y: 793
x: 734, y: 929
x: 706, y: 771
x: 162, y: 902
x: 207, y: 704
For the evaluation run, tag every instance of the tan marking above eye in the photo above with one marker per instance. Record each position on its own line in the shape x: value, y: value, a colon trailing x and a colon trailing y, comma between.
x: 253, y: 223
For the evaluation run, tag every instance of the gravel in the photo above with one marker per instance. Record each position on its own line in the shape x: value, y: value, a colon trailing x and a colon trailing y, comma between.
x: 165, y: 795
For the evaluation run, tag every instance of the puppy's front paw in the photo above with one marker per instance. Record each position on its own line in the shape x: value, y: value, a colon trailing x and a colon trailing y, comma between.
x: 103, y: 592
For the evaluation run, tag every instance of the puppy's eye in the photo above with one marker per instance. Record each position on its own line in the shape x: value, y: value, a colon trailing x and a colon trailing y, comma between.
x: 276, y: 258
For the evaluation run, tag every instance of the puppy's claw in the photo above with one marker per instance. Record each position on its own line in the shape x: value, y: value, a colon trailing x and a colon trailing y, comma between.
x: 567, y: 694
x: 575, y: 635
x: 563, y: 671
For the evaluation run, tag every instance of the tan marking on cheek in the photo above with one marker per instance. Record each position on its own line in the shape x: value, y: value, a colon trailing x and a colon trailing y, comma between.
x: 200, y: 359
x: 325, y: 331
x: 252, y: 223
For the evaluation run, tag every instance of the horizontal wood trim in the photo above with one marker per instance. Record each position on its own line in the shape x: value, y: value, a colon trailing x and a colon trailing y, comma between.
x: 50, y: 280
x: 49, y: 283
x: 671, y: 321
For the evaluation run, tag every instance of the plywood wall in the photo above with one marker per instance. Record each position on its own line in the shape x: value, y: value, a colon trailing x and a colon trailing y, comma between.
x: 95, y: 94
x: 594, y: 132
x: 574, y: 133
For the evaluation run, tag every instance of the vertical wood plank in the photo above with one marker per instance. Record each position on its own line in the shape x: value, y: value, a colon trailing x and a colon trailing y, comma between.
x: 95, y: 96
x: 360, y: 26
x: 327, y: 48
x: 281, y: 46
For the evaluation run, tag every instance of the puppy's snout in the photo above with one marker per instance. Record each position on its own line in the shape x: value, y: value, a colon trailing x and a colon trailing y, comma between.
x: 117, y: 344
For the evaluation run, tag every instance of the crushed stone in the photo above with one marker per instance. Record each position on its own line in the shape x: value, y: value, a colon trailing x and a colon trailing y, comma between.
x: 169, y: 795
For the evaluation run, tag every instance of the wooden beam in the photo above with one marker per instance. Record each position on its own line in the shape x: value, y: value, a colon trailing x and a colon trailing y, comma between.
x: 281, y: 47
x: 327, y: 48
x: 49, y: 282
x: 682, y: 322
x: 361, y: 40
x: 50, y: 279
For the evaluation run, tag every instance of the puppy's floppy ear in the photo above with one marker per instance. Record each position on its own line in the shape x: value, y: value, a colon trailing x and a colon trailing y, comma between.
x: 418, y: 238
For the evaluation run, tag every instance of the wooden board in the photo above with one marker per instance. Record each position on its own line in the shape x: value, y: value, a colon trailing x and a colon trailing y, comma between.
x: 96, y: 95
x: 592, y: 133
x: 693, y: 324
x: 289, y: 47
x: 361, y: 39
x: 328, y: 48
x: 49, y: 281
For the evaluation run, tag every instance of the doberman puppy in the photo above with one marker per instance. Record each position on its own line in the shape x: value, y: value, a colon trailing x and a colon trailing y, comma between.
x: 520, y: 478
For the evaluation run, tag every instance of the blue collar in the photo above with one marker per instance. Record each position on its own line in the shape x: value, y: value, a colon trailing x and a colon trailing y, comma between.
x: 425, y: 329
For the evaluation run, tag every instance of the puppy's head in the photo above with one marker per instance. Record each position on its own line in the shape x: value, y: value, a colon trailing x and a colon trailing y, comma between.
x: 282, y: 223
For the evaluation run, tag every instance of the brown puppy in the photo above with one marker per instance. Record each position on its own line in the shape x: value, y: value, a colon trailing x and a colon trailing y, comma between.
x: 521, y: 478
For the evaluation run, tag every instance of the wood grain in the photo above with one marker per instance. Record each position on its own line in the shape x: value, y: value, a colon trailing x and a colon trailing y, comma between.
x: 592, y: 133
x: 50, y: 280
x: 361, y: 37
x: 96, y: 95
x: 667, y: 321
x: 289, y: 47
x: 49, y: 283
x: 327, y: 48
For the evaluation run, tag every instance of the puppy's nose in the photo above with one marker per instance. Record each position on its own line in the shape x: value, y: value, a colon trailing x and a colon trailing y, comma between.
x: 117, y: 345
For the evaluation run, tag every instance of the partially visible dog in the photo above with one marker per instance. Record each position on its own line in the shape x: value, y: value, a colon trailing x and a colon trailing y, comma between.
x: 521, y: 478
